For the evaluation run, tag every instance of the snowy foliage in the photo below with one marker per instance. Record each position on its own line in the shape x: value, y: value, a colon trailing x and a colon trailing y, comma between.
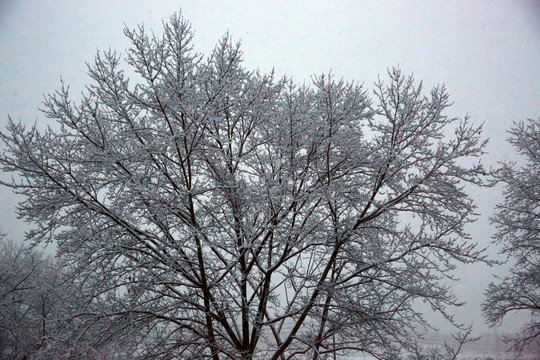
x: 227, y: 214
x: 41, y: 311
x: 518, y: 230
x: 20, y: 319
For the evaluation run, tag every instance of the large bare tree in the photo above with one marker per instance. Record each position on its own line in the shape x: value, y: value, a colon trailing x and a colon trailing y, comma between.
x: 518, y: 231
x: 233, y: 215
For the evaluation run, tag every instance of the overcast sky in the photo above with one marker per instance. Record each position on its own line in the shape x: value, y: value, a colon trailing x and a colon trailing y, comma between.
x: 486, y: 52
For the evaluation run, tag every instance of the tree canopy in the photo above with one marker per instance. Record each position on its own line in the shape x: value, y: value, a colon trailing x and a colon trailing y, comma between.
x: 517, y: 219
x: 229, y: 214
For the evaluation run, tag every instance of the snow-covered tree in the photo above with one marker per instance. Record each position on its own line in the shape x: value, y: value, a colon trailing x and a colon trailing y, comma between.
x: 40, y: 309
x: 518, y: 231
x: 450, y: 351
x: 228, y: 214
x: 18, y: 323
x: 29, y: 301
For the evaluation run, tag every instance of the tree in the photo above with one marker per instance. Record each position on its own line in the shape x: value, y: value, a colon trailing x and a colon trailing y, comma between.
x: 27, y: 300
x: 38, y: 310
x: 518, y: 231
x: 231, y: 215
x: 18, y: 323
x: 446, y: 352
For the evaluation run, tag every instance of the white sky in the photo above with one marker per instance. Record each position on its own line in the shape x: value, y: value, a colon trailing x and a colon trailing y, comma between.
x: 486, y: 52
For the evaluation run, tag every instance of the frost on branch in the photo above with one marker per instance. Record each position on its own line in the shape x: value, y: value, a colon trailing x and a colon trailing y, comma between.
x: 42, y: 312
x: 518, y: 230
x: 229, y: 214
